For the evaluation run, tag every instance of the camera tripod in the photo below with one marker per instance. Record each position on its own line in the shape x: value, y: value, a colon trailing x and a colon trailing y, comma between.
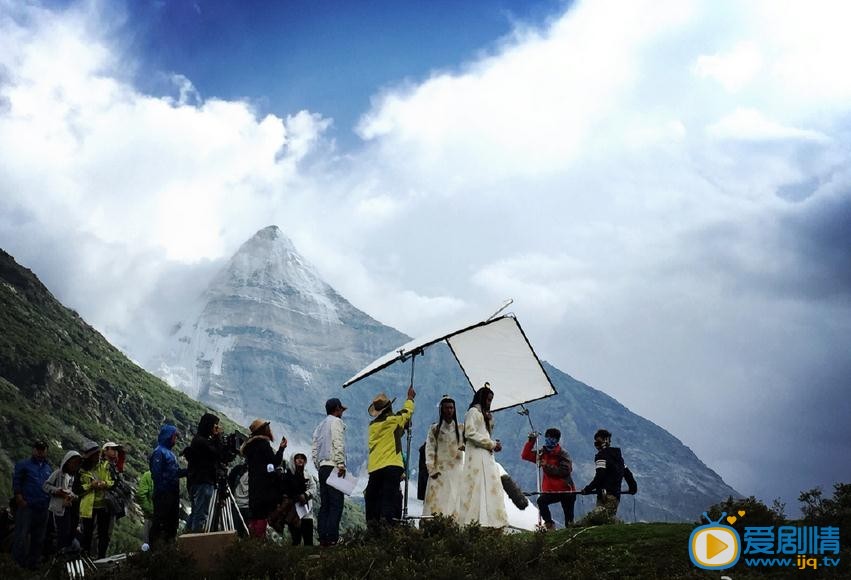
x: 220, y: 513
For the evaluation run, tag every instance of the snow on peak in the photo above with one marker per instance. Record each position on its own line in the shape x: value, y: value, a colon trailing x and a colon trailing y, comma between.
x: 268, y: 268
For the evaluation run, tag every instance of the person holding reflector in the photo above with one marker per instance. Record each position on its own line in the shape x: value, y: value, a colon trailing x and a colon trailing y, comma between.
x: 382, y: 497
x: 481, y: 488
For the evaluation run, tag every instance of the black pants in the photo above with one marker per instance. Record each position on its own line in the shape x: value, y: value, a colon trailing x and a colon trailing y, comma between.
x: 567, y: 501
x: 302, y: 532
x: 166, y: 514
x: 382, y: 495
x: 101, y: 518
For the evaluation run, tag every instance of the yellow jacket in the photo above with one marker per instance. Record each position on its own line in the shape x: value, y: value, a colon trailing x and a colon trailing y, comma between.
x: 93, y: 498
x: 385, y: 438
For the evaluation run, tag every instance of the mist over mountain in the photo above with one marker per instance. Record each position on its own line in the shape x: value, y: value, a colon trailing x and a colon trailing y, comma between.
x: 62, y: 381
x: 269, y: 338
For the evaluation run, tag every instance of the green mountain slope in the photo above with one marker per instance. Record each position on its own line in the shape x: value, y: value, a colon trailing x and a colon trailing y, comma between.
x: 61, y: 380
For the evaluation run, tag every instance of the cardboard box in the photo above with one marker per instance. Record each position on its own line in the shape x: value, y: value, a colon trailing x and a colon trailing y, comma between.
x: 205, y: 548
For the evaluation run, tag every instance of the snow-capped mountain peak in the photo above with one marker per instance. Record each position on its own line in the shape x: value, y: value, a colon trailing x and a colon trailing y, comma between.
x: 267, y: 268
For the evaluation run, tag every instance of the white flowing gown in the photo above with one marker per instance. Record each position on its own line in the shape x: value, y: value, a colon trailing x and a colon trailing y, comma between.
x: 481, y: 495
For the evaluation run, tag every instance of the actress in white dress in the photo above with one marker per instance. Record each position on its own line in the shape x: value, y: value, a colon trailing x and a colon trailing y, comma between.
x: 481, y: 489
x: 444, y: 461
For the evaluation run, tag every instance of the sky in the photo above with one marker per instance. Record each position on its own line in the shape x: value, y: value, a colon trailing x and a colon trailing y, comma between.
x: 662, y: 187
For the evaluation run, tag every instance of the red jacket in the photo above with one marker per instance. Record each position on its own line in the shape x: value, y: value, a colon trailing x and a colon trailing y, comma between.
x: 556, y: 465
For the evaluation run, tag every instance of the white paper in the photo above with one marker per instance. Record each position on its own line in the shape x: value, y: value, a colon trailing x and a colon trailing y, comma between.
x: 346, y: 484
x: 302, y: 509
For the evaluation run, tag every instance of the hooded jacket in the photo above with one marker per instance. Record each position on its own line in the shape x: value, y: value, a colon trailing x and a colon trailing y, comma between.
x: 145, y: 494
x: 204, y: 453
x: 58, y: 481
x: 165, y: 471
x: 265, y: 481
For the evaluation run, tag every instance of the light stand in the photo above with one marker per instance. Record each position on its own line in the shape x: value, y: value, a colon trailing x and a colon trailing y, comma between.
x: 524, y: 411
x: 409, y: 432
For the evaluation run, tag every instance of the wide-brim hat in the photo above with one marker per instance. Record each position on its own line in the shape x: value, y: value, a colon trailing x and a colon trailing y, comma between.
x: 257, y: 425
x: 110, y: 445
x: 379, y: 404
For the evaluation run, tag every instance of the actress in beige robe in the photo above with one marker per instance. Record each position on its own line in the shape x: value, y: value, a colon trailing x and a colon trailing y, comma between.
x: 445, y: 462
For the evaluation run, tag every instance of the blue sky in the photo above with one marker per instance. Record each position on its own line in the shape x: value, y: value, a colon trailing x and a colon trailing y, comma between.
x: 663, y: 186
x: 323, y: 56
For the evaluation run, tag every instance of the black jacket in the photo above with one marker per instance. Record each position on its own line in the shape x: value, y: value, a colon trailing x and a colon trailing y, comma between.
x: 609, y: 472
x: 265, y: 486
x: 204, y: 453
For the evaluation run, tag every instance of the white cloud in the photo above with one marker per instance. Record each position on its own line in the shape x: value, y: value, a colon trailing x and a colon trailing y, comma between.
x: 750, y: 124
x: 591, y: 169
x: 532, y: 107
x: 733, y: 69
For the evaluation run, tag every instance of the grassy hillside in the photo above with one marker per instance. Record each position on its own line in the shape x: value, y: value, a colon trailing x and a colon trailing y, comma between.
x: 634, y: 551
x: 61, y: 380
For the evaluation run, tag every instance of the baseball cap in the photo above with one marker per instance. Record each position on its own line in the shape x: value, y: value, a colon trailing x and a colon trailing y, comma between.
x: 333, y: 403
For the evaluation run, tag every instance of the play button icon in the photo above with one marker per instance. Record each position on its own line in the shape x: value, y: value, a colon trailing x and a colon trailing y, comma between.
x: 714, y: 547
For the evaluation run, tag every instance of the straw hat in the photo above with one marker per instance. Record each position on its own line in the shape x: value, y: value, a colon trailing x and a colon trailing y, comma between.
x: 257, y: 425
x: 379, y: 404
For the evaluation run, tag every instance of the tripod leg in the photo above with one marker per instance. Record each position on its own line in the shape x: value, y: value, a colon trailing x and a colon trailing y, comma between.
x: 211, y: 511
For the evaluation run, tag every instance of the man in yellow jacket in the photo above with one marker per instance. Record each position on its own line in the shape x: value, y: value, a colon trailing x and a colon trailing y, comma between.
x: 382, y: 495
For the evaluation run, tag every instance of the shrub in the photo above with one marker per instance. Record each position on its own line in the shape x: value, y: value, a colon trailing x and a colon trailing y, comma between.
x: 756, y: 512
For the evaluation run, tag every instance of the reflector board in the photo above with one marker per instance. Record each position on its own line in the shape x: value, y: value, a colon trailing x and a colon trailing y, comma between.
x: 494, y: 351
x: 499, y: 353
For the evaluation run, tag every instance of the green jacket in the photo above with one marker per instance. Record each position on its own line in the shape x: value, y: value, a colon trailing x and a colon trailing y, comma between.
x: 92, y: 498
x: 145, y: 494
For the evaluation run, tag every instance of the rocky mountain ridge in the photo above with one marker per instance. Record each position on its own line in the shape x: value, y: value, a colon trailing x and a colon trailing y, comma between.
x: 270, y: 338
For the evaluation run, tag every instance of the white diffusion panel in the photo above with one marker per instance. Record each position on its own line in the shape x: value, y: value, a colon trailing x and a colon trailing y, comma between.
x: 498, y: 353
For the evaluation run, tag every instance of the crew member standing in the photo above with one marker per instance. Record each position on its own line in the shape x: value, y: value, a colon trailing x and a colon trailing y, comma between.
x: 382, y: 498
x: 31, y: 503
x: 265, y: 481
x: 203, y: 456
x: 329, y: 453
x: 557, y: 467
x: 610, y: 472
x: 166, y: 474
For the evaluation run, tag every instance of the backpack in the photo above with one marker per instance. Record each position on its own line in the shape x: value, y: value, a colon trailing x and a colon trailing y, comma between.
x: 632, y: 486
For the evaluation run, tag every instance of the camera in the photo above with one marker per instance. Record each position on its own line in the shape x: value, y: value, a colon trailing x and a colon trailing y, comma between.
x: 231, y: 444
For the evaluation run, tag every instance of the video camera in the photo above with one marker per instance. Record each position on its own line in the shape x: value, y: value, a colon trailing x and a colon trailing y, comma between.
x: 231, y: 444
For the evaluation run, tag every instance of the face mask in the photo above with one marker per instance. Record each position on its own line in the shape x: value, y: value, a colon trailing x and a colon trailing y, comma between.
x: 550, y: 442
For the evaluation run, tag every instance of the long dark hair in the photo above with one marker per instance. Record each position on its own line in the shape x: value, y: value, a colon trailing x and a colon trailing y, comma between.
x: 480, y: 399
x: 440, y: 422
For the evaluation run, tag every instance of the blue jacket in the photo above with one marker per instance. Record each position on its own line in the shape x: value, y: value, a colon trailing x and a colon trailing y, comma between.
x: 164, y: 468
x: 28, y: 480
